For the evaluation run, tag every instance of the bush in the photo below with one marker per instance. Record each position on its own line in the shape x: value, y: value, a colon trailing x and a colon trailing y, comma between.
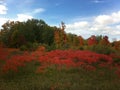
x: 29, y: 47
x: 81, y: 48
x: 34, y: 46
x: 49, y: 47
x: 101, y: 49
x: 23, y: 48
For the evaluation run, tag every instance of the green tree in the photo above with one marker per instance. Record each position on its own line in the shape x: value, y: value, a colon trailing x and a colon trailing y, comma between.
x: 16, y: 34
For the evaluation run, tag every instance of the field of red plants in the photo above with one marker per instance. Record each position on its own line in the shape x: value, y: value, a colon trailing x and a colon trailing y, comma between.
x: 58, y: 70
x: 88, y: 60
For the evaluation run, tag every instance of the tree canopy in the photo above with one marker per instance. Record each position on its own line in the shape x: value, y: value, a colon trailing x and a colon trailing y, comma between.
x: 33, y: 32
x: 15, y: 34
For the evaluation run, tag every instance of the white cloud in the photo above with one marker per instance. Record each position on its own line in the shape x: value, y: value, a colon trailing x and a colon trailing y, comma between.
x: 38, y: 10
x: 101, y: 24
x: 20, y: 17
x: 79, y: 28
x: 3, y: 20
x: 115, y: 33
x: 3, y: 9
x: 107, y: 23
x: 23, y: 17
x: 118, y: 27
x: 35, y: 11
x: 78, y: 25
x: 116, y: 17
x: 104, y: 19
x: 108, y: 19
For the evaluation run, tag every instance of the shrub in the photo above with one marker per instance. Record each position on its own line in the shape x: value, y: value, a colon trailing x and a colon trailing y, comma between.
x: 23, y: 48
x: 81, y: 48
x: 49, y: 47
x: 34, y: 46
x: 101, y: 49
x: 29, y: 47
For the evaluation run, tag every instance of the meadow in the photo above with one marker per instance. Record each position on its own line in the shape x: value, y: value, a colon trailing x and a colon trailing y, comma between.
x: 58, y: 70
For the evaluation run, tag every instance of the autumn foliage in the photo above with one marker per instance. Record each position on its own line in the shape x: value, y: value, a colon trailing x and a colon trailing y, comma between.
x: 59, y: 58
x: 75, y: 51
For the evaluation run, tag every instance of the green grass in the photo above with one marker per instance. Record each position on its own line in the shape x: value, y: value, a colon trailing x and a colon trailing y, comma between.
x: 64, y: 79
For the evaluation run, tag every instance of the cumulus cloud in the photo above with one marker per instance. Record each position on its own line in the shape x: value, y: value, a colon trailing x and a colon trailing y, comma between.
x: 23, y: 17
x: 101, y: 24
x: 103, y: 19
x: 115, y: 33
x: 3, y: 20
x: 3, y: 9
x: 79, y: 28
x: 20, y: 17
x: 107, y: 24
x: 78, y: 25
x: 108, y: 19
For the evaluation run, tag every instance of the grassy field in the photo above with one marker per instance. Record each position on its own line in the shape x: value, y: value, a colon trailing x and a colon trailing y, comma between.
x: 65, y: 79
x: 54, y: 78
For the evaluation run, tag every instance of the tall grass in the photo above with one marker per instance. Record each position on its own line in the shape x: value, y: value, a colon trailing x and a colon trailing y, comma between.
x: 64, y: 79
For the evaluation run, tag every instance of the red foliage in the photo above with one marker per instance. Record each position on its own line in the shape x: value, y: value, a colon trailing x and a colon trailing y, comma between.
x: 92, y: 40
x: 71, y: 58
x: 81, y: 40
x: 5, y: 52
x: 60, y: 58
x: 105, y: 41
x: 17, y: 61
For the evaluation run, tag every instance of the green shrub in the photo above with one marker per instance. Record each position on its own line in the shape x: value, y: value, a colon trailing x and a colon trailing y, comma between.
x: 101, y: 49
x: 49, y: 47
x: 29, y: 46
x: 23, y: 48
x: 81, y: 48
x: 34, y: 46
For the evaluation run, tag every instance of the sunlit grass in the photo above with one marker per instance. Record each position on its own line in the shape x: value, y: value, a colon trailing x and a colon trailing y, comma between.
x: 64, y: 79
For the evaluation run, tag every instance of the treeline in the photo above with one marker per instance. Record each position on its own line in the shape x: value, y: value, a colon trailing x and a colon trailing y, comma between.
x: 32, y: 33
x: 21, y: 34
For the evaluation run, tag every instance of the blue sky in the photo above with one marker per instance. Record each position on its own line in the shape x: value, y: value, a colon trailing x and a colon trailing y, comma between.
x: 82, y: 17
